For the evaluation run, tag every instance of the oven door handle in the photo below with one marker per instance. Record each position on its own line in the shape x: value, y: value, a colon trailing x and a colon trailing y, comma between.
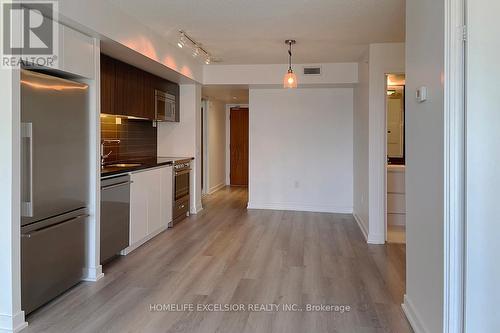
x: 183, y: 172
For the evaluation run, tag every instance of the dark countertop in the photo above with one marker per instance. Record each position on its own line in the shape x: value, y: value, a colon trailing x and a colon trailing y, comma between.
x: 146, y: 163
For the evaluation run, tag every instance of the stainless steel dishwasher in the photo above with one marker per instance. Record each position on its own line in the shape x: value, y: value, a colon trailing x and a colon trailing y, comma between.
x: 115, y: 215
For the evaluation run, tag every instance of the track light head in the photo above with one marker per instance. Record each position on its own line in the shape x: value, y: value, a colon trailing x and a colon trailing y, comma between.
x: 182, y: 40
x: 197, y: 49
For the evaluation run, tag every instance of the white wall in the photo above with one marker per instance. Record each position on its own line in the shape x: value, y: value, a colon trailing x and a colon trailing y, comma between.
x: 11, y: 316
x: 301, y: 149
x: 425, y: 165
x: 361, y: 155
x: 183, y: 139
x: 483, y: 173
x: 384, y: 58
x: 216, y: 145
x: 370, y: 137
x: 337, y: 73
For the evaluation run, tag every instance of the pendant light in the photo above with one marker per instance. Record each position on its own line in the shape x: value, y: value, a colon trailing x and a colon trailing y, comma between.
x: 290, y: 79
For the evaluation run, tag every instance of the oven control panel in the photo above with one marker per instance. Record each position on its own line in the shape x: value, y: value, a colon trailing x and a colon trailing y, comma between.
x: 181, y: 166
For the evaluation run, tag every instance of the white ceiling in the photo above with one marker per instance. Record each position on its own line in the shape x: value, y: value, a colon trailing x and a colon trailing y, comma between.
x: 253, y: 31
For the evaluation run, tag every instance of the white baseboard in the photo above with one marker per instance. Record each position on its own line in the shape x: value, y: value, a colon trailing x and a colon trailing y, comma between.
x: 361, y: 225
x: 302, y: 207
x: 371, y: 238
x: 12, y: 324
x: 196, y: 209
x: 376, y: 239
x: 216, y: 188
x: 415, y: 321
x: 93, y: 274
x: 137, y: 244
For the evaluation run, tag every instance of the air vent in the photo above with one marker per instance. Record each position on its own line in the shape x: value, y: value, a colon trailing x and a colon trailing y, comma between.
x: 312, y: 70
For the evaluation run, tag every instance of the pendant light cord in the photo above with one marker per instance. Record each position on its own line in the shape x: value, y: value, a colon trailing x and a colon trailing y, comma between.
x: 290, y: 56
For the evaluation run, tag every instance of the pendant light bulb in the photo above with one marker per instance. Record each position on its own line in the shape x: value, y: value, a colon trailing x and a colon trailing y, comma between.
x: 290, y: 79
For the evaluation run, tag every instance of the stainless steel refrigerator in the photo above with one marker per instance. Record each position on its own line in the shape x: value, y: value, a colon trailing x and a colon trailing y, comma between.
x: 54, y: 186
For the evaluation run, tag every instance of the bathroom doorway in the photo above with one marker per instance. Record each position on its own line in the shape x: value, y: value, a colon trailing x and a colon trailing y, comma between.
x: 396, y: 161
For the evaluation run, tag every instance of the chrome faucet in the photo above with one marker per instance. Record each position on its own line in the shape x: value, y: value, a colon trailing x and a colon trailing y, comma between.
x: 105, y: 156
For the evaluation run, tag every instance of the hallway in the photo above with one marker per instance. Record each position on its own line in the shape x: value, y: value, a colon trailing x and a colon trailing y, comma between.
x: 228, y: 255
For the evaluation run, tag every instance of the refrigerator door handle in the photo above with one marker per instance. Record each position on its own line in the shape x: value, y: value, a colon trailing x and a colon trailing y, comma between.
x: 33, y: 233
x: 27, y: 197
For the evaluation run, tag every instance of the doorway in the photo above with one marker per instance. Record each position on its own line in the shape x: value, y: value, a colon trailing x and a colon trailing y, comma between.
x: 238, y: 147
x: 395, y: 216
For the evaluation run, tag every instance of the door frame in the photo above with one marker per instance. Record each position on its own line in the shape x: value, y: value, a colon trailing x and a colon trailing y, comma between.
x: 385, y: 147
x: 228, y: 139
x: 204, y: 148
x: 454, y: 166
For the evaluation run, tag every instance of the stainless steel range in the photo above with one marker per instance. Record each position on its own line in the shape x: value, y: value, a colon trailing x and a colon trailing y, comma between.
x: 181, y: 181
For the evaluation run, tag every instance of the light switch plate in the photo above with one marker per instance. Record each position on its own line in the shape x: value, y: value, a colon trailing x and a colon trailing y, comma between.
x: 421, y: 94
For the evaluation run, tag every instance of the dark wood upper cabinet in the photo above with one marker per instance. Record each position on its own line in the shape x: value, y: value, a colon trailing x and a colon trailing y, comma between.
x: 130, y: 91
x: 120, y: 88
x: 149, y: 95
x: 108, y: 77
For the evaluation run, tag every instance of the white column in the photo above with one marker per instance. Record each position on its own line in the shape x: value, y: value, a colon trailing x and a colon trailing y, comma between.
x: 197, y: 170
x: 93, y: 267
x: 11, y: 315
x: 483, y: 167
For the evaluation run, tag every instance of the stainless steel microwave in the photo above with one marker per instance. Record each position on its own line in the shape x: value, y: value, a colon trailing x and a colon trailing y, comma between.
x: 165, y: 106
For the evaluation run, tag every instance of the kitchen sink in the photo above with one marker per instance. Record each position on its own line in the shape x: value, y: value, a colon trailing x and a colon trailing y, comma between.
x: 124, y: 165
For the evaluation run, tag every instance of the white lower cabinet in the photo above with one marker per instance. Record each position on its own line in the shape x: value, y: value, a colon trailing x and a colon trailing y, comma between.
x: 150, y: 204
x: 139, y: 207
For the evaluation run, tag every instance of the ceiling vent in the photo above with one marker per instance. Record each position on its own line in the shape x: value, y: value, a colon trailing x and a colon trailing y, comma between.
x: 312, y: 70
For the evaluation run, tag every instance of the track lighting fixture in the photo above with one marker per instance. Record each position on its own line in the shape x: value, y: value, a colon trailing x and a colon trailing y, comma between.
x: 197, y: 49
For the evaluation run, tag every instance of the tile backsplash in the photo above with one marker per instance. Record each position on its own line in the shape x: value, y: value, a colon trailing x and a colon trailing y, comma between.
x: 137, y: 138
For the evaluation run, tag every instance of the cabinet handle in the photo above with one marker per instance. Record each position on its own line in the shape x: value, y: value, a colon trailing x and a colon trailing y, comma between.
x: 116, y: 185
x: 183, y: 172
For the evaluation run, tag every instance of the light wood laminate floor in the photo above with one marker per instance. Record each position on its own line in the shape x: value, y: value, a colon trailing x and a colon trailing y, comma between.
x: 396, y: 234
x: 228, y: 255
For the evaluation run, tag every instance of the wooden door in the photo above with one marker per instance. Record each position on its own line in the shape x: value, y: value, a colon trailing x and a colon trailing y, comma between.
x: 239, y: 146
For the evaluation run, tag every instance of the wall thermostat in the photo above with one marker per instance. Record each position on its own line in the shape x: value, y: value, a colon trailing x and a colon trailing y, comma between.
x: 421, y: 94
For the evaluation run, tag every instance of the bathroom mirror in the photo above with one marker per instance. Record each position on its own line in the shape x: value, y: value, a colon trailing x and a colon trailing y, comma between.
x: 395, y: 116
